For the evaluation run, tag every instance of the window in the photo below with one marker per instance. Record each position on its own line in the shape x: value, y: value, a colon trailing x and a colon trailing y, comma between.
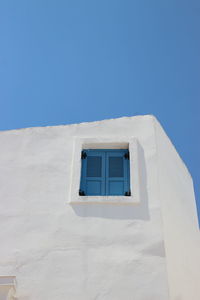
x: 105, y: 172
x: 79, y: 192
x: 7, y: 287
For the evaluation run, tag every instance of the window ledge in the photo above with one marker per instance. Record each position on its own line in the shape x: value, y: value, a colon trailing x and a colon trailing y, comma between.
x: 121, y: 200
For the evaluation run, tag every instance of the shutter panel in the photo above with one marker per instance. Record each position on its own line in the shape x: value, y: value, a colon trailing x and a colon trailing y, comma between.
x: 117, y: 172
x: 93, y: 173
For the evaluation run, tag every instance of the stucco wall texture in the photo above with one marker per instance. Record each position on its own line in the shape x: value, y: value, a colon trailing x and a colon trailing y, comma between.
x: 60, y: 250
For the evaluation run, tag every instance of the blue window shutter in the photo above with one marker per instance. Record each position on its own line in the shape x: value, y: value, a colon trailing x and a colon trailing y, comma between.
x: 105, y: 172
x: 117, y: 172
x: 93, y: 173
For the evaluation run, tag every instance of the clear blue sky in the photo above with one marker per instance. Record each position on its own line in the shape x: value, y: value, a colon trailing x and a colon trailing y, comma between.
x: 71, y: 61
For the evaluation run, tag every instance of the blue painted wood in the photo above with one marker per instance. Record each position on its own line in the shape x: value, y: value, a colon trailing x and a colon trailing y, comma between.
x: 116, y: 173
x: 105, y: 172
x: 93, y: 173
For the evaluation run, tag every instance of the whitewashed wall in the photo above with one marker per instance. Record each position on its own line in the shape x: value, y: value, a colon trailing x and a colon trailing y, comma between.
x: 59, y: 250
x: 181, y: 228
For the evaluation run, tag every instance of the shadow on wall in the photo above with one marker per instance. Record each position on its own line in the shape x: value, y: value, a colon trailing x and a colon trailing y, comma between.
x: 138, y: 211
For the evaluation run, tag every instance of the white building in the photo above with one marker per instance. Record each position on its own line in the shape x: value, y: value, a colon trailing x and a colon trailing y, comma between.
x: 57, y: 244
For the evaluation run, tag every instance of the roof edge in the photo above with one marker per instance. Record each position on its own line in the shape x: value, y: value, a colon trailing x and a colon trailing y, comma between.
x: 77, y: 124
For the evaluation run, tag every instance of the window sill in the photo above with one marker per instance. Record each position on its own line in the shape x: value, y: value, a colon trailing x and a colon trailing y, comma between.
x: 121, y: 200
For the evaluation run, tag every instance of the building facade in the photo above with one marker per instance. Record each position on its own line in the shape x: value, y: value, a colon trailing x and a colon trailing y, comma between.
x: 66, y: 235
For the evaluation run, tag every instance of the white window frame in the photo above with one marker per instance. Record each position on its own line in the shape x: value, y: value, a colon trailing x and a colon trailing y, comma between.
x: 105, y: 143
x: 8, y: 287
